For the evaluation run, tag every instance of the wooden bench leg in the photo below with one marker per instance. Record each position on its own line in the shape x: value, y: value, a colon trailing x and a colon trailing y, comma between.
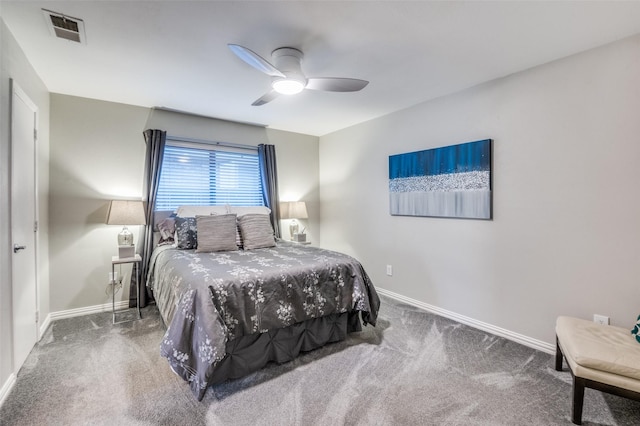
x: 578, y: 388
x: 558, y: 356
x: 578, y: 399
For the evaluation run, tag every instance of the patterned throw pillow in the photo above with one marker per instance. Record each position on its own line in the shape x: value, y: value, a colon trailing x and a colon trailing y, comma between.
x: 256, y: 231
x: 636, y: 330
x: 186, y: 233
x: 167, y: 229
x: 216, y: 233
x: 238, y: 236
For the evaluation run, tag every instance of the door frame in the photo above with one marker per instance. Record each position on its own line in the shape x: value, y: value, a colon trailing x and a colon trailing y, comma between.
x: 16, y: 90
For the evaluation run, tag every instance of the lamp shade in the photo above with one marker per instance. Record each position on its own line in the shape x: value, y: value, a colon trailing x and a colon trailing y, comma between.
x: 123, y: 212
x: 293, y: 210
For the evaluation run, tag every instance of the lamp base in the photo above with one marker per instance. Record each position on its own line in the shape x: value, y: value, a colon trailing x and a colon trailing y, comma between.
x: 125, y: 237
x: 126, y: 251
x: 293, y: 228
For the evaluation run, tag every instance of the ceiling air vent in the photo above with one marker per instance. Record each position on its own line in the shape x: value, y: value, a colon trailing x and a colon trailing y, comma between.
x: 65, y: 27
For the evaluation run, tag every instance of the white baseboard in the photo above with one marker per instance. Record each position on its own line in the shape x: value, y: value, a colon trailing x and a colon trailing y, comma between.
x: 507, y: 334
x: 43, y: 327
x: 6, y: 388
x: 70, y: 313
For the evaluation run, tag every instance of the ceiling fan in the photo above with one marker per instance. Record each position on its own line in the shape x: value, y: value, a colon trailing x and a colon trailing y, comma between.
x: 287, y: 77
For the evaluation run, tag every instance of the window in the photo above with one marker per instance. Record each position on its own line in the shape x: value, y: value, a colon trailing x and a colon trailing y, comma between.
x: 202, y: 176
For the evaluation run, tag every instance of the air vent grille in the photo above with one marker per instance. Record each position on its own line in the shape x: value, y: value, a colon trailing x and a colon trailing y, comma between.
x: 64, y: 27
x: 64, y: 23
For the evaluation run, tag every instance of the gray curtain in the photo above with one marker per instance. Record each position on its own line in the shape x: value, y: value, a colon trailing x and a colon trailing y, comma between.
x: 269, y: 175
x: 155, y: 140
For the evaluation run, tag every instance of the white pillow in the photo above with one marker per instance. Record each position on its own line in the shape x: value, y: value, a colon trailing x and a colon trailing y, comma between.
x: 242, y: 210
x: 193, y: 211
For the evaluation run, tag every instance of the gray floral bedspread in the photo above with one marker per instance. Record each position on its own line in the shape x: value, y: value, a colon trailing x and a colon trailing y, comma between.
x: 207, y: 299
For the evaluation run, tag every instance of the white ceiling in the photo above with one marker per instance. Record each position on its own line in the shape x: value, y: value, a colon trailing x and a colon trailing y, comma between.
x: 174, y: 54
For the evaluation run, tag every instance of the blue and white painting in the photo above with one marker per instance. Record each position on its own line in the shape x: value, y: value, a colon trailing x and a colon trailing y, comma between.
x: 452, y: 181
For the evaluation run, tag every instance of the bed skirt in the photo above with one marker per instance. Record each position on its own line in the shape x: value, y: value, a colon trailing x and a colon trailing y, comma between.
x: 248, y: 354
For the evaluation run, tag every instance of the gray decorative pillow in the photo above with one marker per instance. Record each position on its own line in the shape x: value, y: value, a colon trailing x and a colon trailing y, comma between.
x: 256, y: 231
x: 216, y: 233
x: 186, y: 233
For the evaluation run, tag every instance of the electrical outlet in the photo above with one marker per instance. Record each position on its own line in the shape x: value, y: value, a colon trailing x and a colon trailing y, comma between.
x: 389, y: 270
x: 113, y: 277
x: 600, y: 319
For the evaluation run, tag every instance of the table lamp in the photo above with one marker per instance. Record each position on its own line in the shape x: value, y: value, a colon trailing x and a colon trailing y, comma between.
x: 293, y: 210
x: 122, y: 212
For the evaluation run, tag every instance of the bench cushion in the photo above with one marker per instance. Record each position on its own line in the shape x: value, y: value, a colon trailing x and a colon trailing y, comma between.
x: 603, y: 348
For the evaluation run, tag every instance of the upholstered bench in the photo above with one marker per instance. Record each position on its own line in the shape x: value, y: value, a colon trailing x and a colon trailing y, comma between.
x: 601, y: 357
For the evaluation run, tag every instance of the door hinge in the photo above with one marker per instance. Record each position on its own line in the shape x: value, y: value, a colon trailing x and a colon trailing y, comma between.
x: 35, y: 226
x: 37, y: 316
x: 35, y: 134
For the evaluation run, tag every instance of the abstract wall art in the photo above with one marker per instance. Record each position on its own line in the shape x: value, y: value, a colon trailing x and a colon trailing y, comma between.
x: 451, y: 181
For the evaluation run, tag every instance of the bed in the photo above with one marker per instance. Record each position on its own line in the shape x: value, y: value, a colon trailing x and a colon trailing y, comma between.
x: 230, y: 313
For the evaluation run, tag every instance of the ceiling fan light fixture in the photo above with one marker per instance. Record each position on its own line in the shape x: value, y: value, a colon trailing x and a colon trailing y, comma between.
x: 287, y: 86
x: 287, y: 77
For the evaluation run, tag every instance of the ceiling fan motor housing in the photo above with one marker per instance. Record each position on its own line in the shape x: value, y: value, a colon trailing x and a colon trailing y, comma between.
x: 287, y: 60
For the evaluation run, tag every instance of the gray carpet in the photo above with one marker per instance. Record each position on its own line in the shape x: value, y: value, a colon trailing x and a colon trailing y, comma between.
x: 413, y: 368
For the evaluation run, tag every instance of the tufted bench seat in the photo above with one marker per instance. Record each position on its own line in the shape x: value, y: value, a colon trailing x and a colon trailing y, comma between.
x: 601, y: 357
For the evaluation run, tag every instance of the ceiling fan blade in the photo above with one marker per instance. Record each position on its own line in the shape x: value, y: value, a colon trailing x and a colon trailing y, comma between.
x: 267, y: 97
x: 336, y: 84
x: 255, y: 60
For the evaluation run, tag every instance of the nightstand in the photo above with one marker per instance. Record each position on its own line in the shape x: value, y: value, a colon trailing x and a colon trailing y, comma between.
x: 115, y: 260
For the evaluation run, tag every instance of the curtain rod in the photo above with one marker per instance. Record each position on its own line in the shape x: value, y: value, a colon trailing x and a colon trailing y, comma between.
x: 203, y: 141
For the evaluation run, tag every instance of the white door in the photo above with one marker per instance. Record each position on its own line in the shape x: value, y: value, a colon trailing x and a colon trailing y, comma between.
x: 23, y: 224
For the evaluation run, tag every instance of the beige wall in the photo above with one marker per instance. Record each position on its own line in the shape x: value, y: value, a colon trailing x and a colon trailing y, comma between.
x: 97, y: 154
x: 298, y: 177
x: 565, y: 238
x: 14, y: 65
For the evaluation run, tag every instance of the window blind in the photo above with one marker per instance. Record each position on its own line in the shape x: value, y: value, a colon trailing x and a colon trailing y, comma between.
x: 203, y: 176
